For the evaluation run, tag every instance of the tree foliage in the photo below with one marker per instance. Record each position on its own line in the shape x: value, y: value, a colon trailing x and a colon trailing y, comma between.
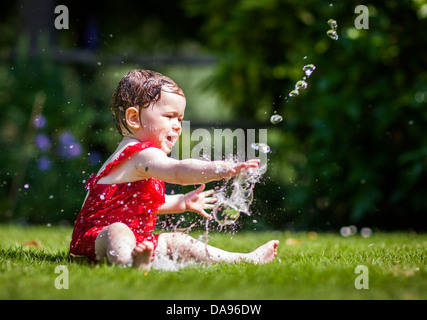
x: 352, y: 147
x: 355, y: 139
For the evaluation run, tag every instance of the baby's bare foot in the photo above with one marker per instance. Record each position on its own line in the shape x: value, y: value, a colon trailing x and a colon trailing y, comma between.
x: 142, y: 255
x: 266, y: 253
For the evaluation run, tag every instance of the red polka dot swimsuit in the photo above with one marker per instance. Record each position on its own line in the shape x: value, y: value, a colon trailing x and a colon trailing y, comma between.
x: 134, y: 204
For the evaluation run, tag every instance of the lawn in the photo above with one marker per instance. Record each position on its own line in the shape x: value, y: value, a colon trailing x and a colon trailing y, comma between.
x: 308, y: 266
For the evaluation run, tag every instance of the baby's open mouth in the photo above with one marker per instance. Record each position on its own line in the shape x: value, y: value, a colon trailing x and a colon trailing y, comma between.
x: 172, y: 139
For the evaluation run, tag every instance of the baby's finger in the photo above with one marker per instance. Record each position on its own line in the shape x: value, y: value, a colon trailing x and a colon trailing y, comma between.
x: 203, y: 213
x: 209, y: 206
x: 209, y: 193
x: 211, y: 200
x: 200, y: 188
x: 253, y: 162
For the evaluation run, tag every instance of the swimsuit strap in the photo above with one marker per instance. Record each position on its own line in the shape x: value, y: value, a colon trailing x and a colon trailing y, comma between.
x: 124, y: 155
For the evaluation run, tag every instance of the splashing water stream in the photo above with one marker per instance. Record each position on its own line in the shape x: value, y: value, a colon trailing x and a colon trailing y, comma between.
x: 332, y: 33
x: 235, y: 197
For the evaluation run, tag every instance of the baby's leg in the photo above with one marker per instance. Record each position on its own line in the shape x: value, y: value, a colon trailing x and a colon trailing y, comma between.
x: 117, y: 244
x: 187, y: 247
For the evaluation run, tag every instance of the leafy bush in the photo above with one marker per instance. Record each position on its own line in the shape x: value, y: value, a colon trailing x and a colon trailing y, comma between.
x: 46, y: 156
x: 354, y: 143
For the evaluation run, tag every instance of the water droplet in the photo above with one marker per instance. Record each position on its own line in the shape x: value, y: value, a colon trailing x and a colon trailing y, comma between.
x: 102, y: 197
x: 366, y: 232
x: 308, y: 69
x: 301, y: 85
x: 345, y: 231
x: 332, y: 34
x: 332, y: 23
x: 26, y: 186
x: 293, y: 93
x: 261, y: 147
x: 248, y: 195
x: 111, y: 35
x: 276, y: 118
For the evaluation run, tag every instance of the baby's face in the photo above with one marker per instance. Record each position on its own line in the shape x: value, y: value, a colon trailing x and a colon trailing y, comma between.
x: 161, y: 122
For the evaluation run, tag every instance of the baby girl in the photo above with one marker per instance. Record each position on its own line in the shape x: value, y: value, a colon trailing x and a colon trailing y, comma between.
x: 119, y: 213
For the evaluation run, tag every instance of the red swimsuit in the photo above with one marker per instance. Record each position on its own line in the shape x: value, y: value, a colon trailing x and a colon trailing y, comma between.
x: 134, y: 204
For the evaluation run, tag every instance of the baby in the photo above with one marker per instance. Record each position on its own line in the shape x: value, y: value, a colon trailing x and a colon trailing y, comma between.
x: 119, y: 213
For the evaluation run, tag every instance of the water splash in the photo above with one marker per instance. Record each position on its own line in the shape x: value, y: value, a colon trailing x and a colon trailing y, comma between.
x: 333, y: 24
x: 261, y: 147
x: 276, y: 118
x: 236, y: 196
x: 332, y: 33
x: 308, y: 69
x: 225, y: 215
x: 294, y: 93
x: 302, y: 84
x: 170, y: 263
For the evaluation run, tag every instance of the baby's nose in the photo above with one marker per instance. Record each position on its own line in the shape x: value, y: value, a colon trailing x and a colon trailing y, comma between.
x: 177, y: 126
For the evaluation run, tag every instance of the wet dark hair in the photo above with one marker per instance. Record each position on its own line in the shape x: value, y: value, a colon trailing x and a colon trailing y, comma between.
x: 140, y: 88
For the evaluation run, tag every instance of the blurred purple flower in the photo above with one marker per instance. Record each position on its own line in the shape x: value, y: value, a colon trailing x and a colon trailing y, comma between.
x: 69, y: 147
x: 39, y: 121
x: 74, y: 149
x: 66, y: 138
x: 42, y: 141
x: 44, y: 163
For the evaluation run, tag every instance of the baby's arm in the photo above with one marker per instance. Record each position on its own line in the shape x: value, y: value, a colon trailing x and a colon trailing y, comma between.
x: 153, y: 162
x: 194, y: 201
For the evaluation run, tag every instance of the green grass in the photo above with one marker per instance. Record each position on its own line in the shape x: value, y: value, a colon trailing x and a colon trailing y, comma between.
x: 307, y: 268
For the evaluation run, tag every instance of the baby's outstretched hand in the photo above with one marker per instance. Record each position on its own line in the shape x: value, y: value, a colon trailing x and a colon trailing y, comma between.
x: 236, y: 168
x: 199, y: 200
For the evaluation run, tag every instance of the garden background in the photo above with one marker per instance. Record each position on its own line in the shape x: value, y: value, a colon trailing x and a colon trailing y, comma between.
x: 351, y: 150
